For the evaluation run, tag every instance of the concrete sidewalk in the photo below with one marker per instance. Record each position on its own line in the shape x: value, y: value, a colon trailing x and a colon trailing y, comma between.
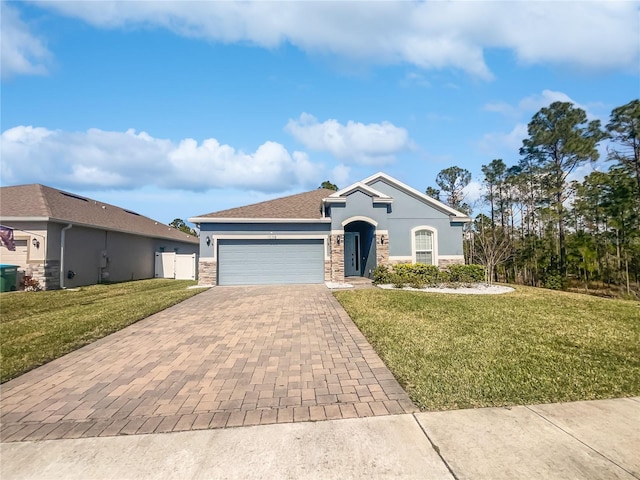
x: 579, y: 440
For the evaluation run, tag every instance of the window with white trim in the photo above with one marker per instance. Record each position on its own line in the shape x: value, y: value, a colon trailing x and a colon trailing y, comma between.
x: 424, y: 246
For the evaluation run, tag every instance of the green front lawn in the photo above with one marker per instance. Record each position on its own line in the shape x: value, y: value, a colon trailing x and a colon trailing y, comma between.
x: 37, y: 327
x: 529, y: 346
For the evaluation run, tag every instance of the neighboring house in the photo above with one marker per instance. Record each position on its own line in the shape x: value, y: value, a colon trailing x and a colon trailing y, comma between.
x: 323, y: 235
x: 66, y: 240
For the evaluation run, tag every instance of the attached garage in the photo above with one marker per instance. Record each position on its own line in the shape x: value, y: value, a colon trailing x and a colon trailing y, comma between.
x: 266, y: 261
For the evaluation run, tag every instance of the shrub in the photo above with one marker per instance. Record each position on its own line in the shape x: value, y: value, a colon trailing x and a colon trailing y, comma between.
x: 467, y: 273
x: 382, y: 275
x: 425, y: 274
x: 398, y: 281
x: 444, y: 276
x: 419, y: 275
x: 416, y: 282
x: 553, y: 281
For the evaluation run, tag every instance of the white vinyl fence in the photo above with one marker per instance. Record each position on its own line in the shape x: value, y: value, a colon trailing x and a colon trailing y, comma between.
x: 180, y: 266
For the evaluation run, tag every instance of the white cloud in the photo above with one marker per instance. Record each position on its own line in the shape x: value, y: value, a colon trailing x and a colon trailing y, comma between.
x: 104, y: 159
x: 340, y: 175
x: 533, y: 103
x: 21, y: 53
x: 595, y: 35
x: 473, y: 192
x: 365, y: 144
x: 525, y: 108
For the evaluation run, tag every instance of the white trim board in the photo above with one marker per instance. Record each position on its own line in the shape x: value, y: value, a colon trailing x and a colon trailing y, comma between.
x: 362, y: 187
x: 359, y: 218
x: 450, y: 257
x: 258, y: 220
x: 377, y: 232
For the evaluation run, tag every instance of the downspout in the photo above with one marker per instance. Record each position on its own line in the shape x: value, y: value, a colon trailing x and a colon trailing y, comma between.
x: 62, y: 236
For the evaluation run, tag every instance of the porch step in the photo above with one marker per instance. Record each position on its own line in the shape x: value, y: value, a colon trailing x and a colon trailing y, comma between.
x: 359, y: 282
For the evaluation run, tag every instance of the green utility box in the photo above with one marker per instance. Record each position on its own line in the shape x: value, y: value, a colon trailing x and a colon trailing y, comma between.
x: 8, y: 278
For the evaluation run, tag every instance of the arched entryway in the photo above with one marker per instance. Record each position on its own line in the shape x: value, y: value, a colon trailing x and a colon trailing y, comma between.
x: 359, y: 247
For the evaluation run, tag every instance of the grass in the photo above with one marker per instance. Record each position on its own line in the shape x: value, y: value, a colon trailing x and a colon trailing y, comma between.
x: 37, y: 327
x: 525, y: 347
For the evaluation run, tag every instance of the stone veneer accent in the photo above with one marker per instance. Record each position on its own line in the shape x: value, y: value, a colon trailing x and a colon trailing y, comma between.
x: 327, y: 270
x: 400, y: 262
x: 47, y: 274
x: 207, y: 272
x: 337, y: 258
x: 382, y: 249
x: 443, y: 263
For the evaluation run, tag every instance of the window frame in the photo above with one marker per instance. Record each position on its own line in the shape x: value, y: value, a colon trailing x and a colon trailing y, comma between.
x: 434, y: 241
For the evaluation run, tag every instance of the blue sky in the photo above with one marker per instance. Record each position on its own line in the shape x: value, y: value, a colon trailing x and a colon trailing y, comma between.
x: 175, y: 109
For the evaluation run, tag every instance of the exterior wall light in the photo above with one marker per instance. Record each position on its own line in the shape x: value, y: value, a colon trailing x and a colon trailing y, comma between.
x: 35, y: 242
x: 208, y: 240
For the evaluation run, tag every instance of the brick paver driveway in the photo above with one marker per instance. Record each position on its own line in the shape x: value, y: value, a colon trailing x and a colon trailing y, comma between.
x: 230, y: 356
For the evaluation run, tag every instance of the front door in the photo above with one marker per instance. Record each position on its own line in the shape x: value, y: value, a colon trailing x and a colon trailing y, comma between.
x: 351, y: 254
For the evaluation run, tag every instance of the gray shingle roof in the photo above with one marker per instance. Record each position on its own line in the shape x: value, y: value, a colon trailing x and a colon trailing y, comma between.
x: 306, y: 205
x: 35, y: 200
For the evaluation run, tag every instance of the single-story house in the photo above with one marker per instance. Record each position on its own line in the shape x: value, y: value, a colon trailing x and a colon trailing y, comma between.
x: 65, y: 240
x: 324, y: 235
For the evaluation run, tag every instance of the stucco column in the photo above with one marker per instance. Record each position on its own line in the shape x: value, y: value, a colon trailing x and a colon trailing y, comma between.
x: 207, y: 271
x: 382, y: 248
x: 337, y: 257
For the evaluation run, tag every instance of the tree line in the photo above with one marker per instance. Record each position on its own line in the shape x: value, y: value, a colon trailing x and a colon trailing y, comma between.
x: 543, y: 225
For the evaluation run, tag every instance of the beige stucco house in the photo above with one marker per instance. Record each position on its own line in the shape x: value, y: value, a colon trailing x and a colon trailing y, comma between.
x: 66, y: 240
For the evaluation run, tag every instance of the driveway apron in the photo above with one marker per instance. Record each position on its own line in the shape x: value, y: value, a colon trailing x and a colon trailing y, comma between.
x: 230, y: 356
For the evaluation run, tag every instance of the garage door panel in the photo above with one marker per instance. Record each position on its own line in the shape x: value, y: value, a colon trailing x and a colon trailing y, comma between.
x: 264, y: 262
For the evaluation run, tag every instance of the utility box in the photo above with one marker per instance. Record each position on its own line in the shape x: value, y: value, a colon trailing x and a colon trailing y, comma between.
x: 8, y: 278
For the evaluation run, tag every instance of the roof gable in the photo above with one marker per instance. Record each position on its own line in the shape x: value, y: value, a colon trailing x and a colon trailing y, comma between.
x: 308, y: 207
x: 380, y: 176
x: 341, y: 195
x: 46, y: 203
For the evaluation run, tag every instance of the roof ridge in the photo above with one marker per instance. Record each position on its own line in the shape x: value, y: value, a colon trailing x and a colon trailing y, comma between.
x: 37, y: 200
x: 43, y: 199
x: 264, y: 202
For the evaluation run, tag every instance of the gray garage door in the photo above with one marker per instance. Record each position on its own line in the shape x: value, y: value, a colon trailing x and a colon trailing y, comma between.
x: 264, y: 262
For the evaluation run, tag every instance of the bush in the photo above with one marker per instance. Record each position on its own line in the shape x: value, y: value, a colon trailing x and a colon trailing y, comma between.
x: 444, y: 276
x: 398, y: 281
x: 553, y: 281
x: 467, y: 273
x: 416, y: 275
x: 382, y: 275
x: 419, y: 275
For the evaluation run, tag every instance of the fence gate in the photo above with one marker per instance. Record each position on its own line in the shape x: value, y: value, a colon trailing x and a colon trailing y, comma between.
x: 175, y: 265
